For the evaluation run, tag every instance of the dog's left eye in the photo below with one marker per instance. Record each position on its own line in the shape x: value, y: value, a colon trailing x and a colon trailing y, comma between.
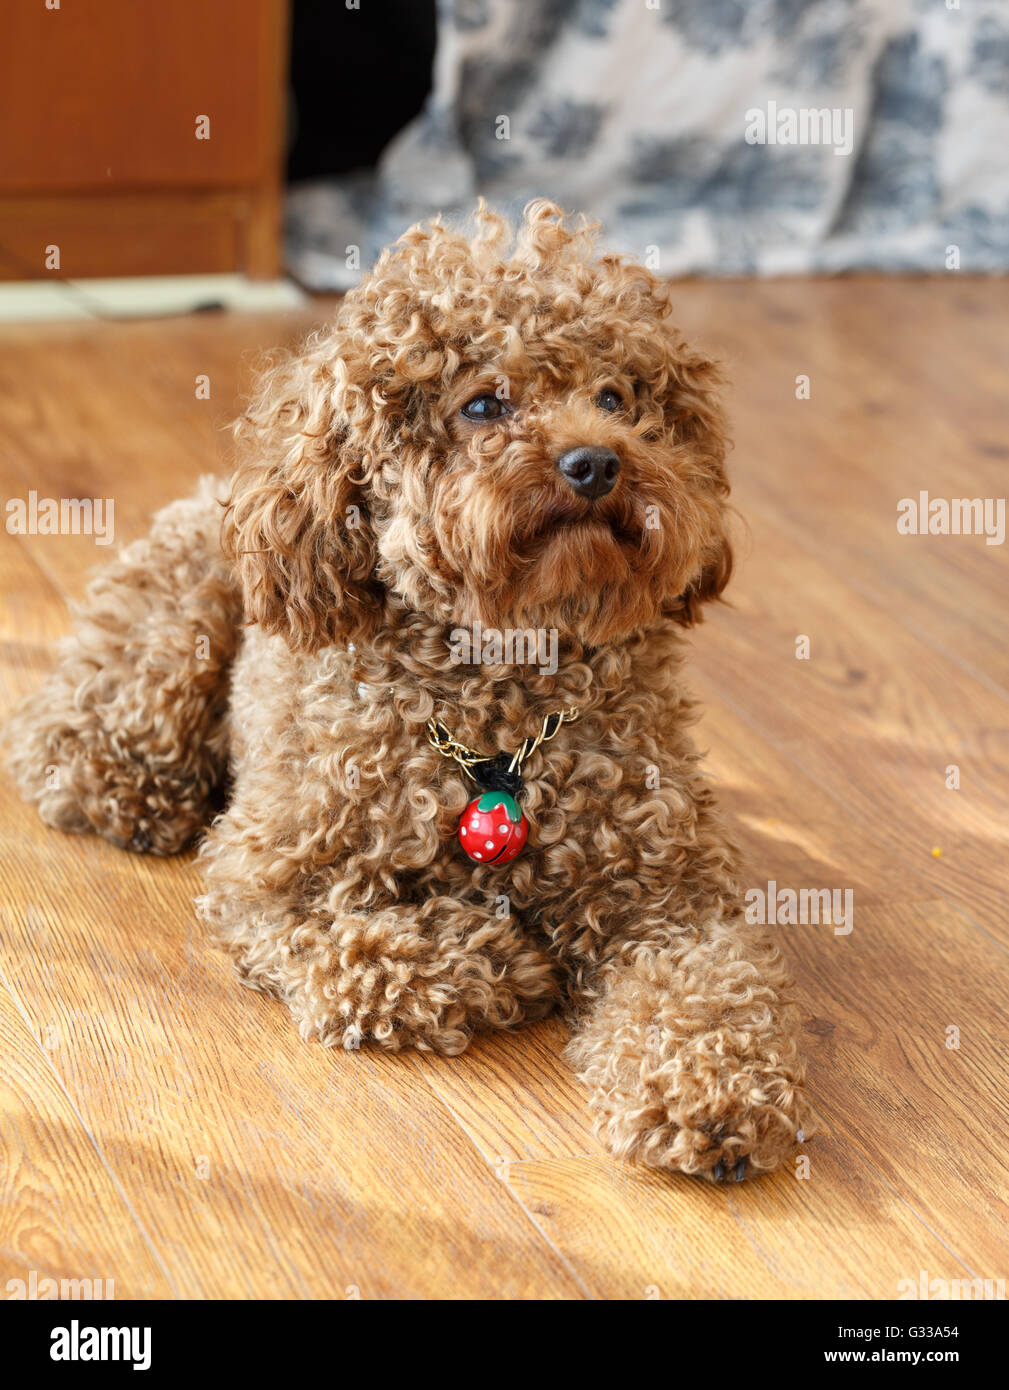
x: 609, y: 400
x: 485, y: 407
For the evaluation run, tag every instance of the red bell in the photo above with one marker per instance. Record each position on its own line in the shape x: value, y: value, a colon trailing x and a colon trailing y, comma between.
x: 493, y: 829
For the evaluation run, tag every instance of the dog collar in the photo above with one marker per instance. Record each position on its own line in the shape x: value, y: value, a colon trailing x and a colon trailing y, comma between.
x: 493, y: 828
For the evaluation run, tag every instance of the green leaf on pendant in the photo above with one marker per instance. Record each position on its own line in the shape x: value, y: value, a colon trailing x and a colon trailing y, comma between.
x: 490, y: 800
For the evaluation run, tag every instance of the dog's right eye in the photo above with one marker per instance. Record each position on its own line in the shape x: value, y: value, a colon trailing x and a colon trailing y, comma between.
x: 486, y: 407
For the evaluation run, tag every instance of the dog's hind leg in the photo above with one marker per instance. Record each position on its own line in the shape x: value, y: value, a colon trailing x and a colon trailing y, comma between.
x: 128, y: 736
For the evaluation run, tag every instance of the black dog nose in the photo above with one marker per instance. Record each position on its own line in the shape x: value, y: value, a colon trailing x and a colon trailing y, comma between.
x: 590, y: 470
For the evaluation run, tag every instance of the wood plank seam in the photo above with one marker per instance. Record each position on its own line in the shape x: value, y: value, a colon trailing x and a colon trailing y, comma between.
x: 546, y: 1239
x: 456, y: 1119
x: 113, y: 1177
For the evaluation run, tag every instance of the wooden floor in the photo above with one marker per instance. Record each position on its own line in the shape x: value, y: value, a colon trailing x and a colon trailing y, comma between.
x: 164, y: 1128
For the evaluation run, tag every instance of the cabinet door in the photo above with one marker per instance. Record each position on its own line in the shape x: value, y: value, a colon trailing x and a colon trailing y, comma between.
x: 107, y: 94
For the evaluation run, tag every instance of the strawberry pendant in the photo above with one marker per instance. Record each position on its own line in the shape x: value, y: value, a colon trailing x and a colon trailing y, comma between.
x: 493, y: 829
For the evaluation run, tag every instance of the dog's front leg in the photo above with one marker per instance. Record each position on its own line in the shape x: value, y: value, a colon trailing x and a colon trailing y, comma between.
x: 428, y: 974
x: 688, y: 1046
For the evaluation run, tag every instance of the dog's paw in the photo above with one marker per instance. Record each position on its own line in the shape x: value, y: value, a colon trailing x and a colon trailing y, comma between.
x: 738, y: 1172
x: 718, y: 1104
x: 733, y: 1122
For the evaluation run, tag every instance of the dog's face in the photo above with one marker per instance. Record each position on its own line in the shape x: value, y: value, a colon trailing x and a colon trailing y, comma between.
x: 518, y: 438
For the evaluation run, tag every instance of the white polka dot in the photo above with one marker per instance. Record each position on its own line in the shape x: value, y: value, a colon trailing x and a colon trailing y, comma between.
x: 475, y: 823
x: 503, y: 829
x: 462, y: 831
x: 477, y: 854
x: 488, y: 844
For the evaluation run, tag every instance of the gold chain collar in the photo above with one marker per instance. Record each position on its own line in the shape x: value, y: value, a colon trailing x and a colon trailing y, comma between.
x: 448, y: 746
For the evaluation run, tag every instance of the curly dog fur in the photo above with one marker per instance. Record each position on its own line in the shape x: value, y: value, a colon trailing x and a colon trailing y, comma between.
x: 366, y: 520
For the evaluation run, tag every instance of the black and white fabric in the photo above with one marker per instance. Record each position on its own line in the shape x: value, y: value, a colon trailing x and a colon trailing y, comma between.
x: 708, y: 136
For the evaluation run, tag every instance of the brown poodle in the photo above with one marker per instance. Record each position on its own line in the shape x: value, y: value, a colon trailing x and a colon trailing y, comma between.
x: 505, y: 433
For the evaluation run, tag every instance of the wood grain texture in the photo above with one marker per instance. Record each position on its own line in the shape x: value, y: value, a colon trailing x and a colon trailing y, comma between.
x: 123, y: 234
x: 63, y: 1213
x: 100, y: 151
x: 114, y: 92
x: 841, y: 1232
x: 163, y: 1127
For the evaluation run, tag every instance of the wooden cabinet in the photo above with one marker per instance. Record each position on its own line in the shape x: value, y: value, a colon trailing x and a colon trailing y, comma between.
x: 141, y: 136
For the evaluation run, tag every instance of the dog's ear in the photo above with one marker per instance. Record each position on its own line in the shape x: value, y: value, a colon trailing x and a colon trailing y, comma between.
x: 696, y: 418
x: 711, y: 580
x: 296, y: 523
